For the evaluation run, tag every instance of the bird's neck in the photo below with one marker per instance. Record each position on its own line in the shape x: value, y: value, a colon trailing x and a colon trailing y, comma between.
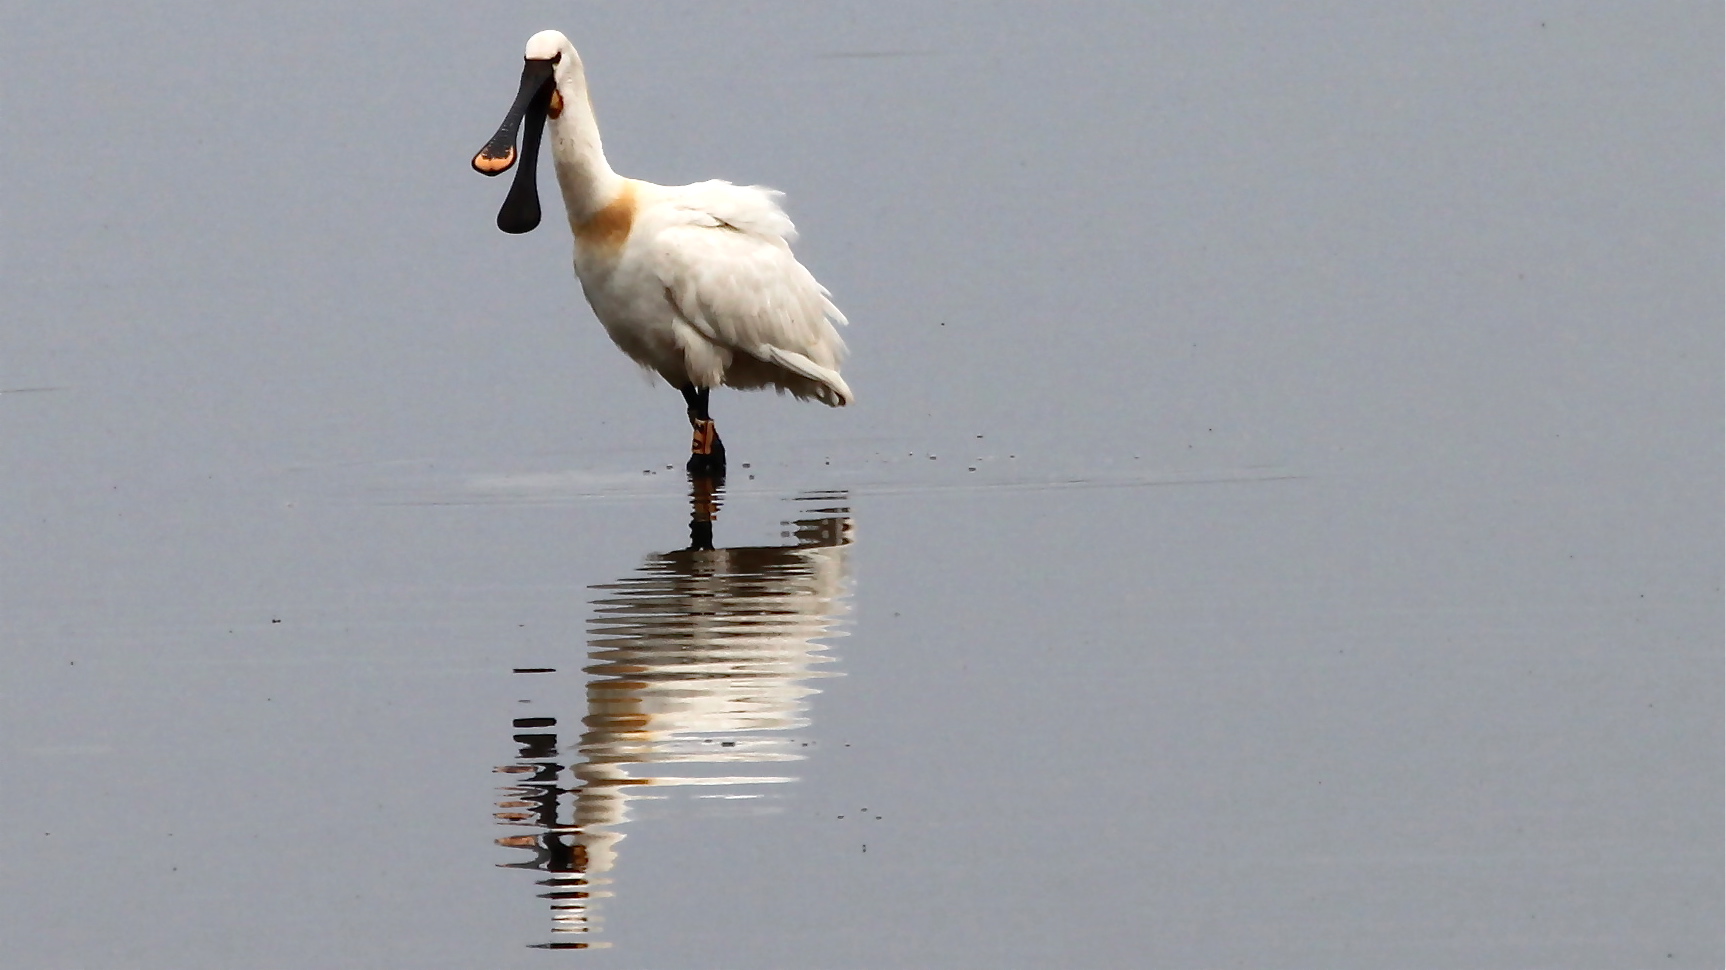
x: 587, y: 181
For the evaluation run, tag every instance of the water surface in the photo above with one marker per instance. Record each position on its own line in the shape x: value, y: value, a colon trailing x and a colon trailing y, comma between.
x: 1279, y: 524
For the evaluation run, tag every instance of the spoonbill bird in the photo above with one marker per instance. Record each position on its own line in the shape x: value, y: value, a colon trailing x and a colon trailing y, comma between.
x: 695, y: 282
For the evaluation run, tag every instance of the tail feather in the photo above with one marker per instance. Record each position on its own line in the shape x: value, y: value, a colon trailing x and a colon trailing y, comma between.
x: 839, y: 394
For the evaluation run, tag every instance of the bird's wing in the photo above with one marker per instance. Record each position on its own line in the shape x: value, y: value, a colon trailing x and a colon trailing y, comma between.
x: 721, y: 253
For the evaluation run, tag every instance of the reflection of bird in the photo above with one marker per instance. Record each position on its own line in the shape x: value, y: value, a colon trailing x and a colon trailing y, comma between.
x: 696, y: 282
x: 699, y: 659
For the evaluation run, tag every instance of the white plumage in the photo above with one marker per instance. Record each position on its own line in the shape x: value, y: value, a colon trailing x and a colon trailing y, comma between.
x: 705, y: 290
x: 694, y: 282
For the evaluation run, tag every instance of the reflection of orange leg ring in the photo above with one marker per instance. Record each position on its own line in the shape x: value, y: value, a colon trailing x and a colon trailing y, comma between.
x: 705, y: 435
x: 703, y: 504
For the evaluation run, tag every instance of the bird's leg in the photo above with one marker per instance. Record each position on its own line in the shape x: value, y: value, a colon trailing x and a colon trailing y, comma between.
x: 706, y: 451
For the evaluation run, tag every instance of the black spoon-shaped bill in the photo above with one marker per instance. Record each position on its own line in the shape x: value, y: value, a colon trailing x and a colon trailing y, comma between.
x: 520, y: 212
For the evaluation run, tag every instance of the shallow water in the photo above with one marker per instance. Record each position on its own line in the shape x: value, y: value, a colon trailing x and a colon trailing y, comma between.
x: 699, y: 661
x: 1279, y: 525
x: 1017, y: 723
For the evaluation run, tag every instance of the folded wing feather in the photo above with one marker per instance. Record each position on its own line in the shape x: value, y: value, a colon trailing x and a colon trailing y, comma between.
x: 724, y: 259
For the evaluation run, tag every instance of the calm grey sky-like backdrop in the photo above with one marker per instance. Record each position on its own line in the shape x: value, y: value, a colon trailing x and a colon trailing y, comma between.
x: 1359, y: 365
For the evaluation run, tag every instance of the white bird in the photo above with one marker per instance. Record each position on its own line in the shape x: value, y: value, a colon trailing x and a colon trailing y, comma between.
x: 694, y: 282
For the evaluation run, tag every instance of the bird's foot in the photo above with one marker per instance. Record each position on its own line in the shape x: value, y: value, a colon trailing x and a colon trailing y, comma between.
x: 708, y: 466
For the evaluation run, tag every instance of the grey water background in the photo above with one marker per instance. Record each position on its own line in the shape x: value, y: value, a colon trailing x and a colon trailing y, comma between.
x: 1282, y: 506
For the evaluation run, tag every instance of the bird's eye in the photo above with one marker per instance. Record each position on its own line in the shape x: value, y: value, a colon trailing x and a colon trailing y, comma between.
x: 557, y: 57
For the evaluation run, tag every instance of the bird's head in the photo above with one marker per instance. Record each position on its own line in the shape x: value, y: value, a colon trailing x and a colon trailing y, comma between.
x: 548, y: 58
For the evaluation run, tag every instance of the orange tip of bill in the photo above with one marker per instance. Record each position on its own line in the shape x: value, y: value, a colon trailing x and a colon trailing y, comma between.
x: 487, y: 165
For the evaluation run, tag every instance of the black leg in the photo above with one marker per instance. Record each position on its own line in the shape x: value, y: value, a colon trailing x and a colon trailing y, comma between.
x: 706, y: 451
x: 696, y: 398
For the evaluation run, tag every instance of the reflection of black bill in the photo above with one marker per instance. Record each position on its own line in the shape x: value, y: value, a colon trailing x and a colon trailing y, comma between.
x: 520, y: 212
